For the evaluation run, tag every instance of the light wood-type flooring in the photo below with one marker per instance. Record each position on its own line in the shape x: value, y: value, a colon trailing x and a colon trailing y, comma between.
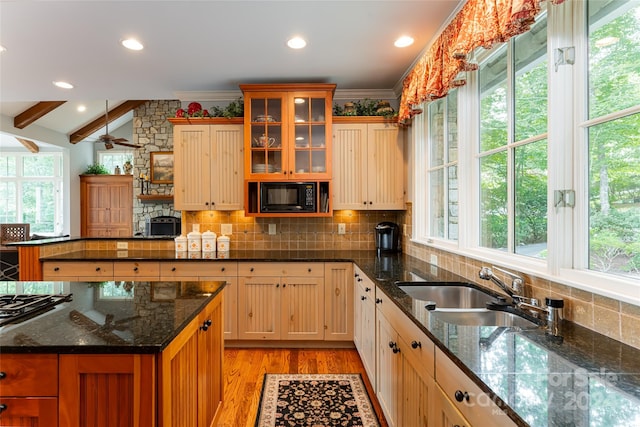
x: 244, y: 371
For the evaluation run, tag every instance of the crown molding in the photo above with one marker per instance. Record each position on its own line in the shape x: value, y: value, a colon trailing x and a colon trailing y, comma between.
x: 231, y: 95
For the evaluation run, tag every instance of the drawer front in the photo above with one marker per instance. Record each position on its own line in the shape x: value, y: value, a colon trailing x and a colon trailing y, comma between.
x: 37, y: 411
x: 198, y: 269
x: 136, y: 269
x: 477, y: 407
x: 298, y: 269
x: 29, y: 375
x: 93, y: 269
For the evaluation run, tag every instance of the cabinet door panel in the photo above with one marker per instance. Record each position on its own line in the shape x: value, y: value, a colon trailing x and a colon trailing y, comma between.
x: 29, y: 375
x: 192, y: 179
x: 338, y: 315
x: 259, y: 308
x: 210, y: 351
x: 385, y: 167
x: 388, y: 373
x: 227, y: 166
x: 302, y: 308
x: 349, y: 166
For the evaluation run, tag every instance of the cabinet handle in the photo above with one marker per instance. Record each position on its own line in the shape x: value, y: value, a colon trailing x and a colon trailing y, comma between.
x: 367, y: 289
x: 359, y: 279
x: 364, y: 203
x: 3, y: 407
x: 277, y: 285
x: 309, y: 270
x: 416, y: 344
x: 3, y: 375
x: 222, y: 269
x: 370, y: 203
x: 391, y: 344
x: 378, y: 300
x: 56, y: 268
x: 394, y: 347
x: 205, y: 325
x: 363, y: 298
x: 356, y: 275
x: 135, y: 268
x: 173, y: 269
x: 206, y: 203
x: 97, y: 268
x: 460, y: 395
x: 251, y: 269
x: 284, y: 285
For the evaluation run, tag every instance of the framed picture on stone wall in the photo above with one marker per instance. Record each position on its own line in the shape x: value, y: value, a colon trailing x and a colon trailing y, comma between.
x: 162, y: 167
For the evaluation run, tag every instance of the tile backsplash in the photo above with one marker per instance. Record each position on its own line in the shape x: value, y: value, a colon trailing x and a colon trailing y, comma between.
x: 313, y: 233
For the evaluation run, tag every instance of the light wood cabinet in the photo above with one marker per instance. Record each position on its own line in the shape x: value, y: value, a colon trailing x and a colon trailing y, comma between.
x: 208, y: 172
x: 364, y: 330
x: 29, y: 390
x: 368, y: 166
x: 445, y: 413
x: 77, y: 270
x: 136, y: 270
x: 106, y: 205
x: 338, y: 301
x: 281, y: 301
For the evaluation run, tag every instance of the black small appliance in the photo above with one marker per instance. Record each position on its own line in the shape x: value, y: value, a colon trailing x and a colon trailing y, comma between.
x: 163, y: 226
x: 288, y: 197
x: 387, y: 237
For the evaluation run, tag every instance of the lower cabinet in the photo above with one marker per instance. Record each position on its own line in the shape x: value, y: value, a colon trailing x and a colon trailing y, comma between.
x: 338, y: 301
x: 364, y: 329
x: 445, y: 413
x: 190, y: 382
x: 281, y: 301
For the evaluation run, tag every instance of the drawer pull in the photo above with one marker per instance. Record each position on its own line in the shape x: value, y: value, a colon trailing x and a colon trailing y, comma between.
x: 251, y: 269
x: 135, y: 268
x: 416, y: 344
x: 359, y: 279
x: 222, y: 269
x: 3, y: 407
x: 367, y: 289
x: 173, y: 269
x: 3, y: 375
x: 363, y: 298
x: 205, y: 325
x: 56, y: 268
x: 378, y: 300
x: 97, y: 268
x: 309, y: 270
x: 356, y: 275
x: 460, y: 396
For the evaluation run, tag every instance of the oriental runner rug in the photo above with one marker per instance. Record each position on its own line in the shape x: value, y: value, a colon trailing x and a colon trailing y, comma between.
x: 315, y: 400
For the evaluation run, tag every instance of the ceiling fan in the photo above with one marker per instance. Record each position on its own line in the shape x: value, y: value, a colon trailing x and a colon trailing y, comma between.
x: 109, y: 140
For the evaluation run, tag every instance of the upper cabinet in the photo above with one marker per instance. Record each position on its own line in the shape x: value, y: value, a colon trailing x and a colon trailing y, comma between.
x: 287, y: 131
x: 106, y: 205
x: 208, y: 171
x: 368, y: 164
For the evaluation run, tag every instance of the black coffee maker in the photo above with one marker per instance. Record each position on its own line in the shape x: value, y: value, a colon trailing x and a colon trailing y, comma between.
x: 387, y: 237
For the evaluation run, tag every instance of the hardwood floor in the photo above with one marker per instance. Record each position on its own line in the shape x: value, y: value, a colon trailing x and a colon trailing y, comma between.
x: 244, y: 371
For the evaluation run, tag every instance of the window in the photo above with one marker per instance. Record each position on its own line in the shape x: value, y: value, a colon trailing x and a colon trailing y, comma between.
x: 612, y: 137
x: 31, y: 189
x: 112, y: 158
x: 443, y: 167
x: 513, y: 146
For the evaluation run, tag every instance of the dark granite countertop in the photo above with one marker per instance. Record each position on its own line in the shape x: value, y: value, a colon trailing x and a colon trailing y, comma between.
x: 107, y: 317
x: 579, y: 379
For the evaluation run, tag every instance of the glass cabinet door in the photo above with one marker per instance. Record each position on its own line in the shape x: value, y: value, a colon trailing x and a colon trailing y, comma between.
x: 267, y: 156
x: 309, y: 148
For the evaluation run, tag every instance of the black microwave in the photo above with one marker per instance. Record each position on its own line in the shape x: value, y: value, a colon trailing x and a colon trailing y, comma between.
x: 283, y: 197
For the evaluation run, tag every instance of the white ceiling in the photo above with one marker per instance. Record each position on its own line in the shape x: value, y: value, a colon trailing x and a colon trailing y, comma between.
x: 198, y: 48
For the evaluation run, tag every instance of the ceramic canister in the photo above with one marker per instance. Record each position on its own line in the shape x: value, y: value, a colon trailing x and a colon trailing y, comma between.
x: 223, y: 255
x: 223, y: 243
x: 194, y: 240
x: 181, y: 243
x: 208, y: 241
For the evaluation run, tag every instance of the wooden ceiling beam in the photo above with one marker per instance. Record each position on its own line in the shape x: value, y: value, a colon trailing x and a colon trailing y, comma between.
x: 29, y: 145
x: 32, y: 114
x: 100, y: 122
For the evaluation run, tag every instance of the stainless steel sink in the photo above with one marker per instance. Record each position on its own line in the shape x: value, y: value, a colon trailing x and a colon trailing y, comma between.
x: 483, y: 317
x: 446, y: 296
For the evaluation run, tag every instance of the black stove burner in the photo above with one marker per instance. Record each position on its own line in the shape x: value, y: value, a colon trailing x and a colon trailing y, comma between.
x: 15, y: 308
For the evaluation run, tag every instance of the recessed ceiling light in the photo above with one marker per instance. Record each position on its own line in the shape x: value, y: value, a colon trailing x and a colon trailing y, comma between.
x: 607, y: 41
x: 296, y: 43
x: 81, y: 108
x: 63, y: 85
x: 403, y: 41
x: 132, y: 44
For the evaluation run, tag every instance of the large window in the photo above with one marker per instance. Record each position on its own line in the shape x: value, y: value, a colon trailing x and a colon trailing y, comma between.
x: 613, y: 137
x: 112, y: 158
x: 31, y: 191
x: 513, y: 146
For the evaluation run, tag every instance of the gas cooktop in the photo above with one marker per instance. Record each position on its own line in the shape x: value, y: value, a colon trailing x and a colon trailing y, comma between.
x: 16, y: 308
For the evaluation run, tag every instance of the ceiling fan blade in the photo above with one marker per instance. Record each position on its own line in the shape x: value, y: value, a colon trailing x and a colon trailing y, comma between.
x: 120, y: 140
x: 127, y: 144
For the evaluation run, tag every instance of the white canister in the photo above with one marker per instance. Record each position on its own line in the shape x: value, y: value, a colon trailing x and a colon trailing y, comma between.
x: 208, y: 255
x: 195, y: 255
x: 181, y: 254
x: 223, y: 255
x: 194, y: 240
x: 181, y: 243
x: 223, y: 243
x: 208, y: 241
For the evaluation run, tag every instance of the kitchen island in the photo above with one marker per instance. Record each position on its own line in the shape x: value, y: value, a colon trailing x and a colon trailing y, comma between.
x: 520, y: 376
x: 118, y: 354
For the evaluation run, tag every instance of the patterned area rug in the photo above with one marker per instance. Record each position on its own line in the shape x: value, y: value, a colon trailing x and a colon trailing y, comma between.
x: 315, y: 400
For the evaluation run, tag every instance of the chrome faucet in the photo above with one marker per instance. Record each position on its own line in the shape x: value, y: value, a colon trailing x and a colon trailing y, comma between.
x: 517, y: 282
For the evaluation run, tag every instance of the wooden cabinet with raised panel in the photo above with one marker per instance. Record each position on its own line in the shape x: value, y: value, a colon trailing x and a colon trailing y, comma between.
x: 77, y: 270
x: 281, y: 301
x: 338, y: 301
x: 368, y: 165
x: 106, y: 205
x: 208, y: 167
x: 29, y: 390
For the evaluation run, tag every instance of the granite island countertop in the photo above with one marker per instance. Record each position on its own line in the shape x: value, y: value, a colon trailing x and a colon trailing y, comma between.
x: 107, y: 317
x: 582, y: 378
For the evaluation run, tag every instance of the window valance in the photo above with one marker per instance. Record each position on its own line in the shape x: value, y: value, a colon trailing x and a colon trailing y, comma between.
x: 480, y: 23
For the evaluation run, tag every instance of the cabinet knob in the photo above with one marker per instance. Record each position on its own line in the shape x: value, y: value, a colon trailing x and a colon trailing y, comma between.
x: 309, y: 270
x: 222, y: 269
x: 173, y: 269
x: 378, y: 300
x: 135, y: 268
x: 277, y: 285
x: 356, y: 275
x: 3, y: 407
x: 251, y: 269
x: 416, y: 344
x: 391, y: 344
x: 359, y: 279
x: 394, y: 347
x: 284, y: 285
x: 56, y: 268
x: 206, y: 203
x: 363, y: 298
x: 97, y: 268
x: 367, y: 289
x: 3, y: 375
x: 460, y: 395
x: 206, y: 324
x: 364, y: 203
x: 370, y: 203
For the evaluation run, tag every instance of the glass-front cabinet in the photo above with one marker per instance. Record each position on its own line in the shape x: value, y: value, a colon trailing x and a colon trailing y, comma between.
x: 288, y: 131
